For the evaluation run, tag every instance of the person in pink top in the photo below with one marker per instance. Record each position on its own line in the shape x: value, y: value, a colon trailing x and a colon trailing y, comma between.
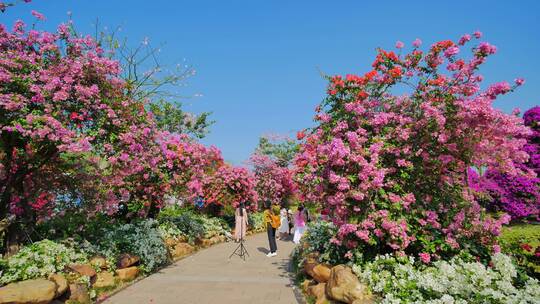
x: 299, y: 224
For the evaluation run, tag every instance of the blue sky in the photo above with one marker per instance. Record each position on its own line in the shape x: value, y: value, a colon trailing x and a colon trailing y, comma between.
x: 258, y: 63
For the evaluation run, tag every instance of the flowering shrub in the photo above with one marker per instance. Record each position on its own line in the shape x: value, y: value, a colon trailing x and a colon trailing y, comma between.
x: 230, y: 186
x: 39, y: 260
x: 191, y: 165
x: 532, y: 120
x: 391, y: 170
x: 399, y: 280
x: 320, y: 239
x: 519, y: 196
x: 74, y: 131
x: 273, y: 182
x: 522, y: 242
x: 68, y: 128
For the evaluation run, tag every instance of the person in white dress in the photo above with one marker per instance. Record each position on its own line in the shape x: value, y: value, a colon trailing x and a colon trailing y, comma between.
x: 284, y: 227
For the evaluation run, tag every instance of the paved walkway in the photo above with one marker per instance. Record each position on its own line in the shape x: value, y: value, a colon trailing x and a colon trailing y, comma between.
x: 209, y: 276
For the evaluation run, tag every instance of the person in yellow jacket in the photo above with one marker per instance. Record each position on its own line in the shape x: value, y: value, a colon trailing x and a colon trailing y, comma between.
x: 272, y: 222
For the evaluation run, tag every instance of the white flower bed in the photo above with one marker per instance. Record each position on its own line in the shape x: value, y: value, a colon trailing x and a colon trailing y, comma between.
x: 400, y: 280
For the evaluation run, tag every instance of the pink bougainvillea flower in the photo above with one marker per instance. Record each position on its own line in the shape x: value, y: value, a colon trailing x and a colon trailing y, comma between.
x: 477, y: 34
x: 38, y: 15
x: 425, y: 257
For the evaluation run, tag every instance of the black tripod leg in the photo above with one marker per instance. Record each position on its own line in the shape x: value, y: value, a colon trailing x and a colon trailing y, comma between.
x: 234, y: 252
x: 245, y: 250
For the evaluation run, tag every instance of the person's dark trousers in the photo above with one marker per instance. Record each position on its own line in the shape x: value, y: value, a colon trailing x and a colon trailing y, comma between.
x: 271, y: 237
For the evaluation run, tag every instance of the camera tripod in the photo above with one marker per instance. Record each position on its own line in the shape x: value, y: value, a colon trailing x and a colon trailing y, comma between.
x: 241, y: 250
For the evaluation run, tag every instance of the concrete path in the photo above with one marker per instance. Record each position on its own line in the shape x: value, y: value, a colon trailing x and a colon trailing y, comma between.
x: 209, y: 276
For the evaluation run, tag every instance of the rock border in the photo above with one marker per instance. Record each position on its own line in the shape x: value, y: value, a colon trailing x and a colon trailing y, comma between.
x: 127, y: 274
x: 333, y: 284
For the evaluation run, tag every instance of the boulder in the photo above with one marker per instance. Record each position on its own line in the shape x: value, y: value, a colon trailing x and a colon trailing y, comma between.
x: 343, y: 285
x: 104, y: 279
x: 127, y: 274
x: 39, y: 291
x: 170, y: 242
x: 306, y: 284
x: 98, y: 262
x: 310, y: 262
x: 181, y: 250
x: 127, y: 260
x: 78, y: 293
x: 206, y: 243
x: 83, y: 269
x: 61, y: 283
x: 321, y: 273
x: 370, y: 300
x: 318, y: 291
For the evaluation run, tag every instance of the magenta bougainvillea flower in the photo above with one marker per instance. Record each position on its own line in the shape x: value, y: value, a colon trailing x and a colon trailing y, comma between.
x: 274, y: 183
x: 519, y: 196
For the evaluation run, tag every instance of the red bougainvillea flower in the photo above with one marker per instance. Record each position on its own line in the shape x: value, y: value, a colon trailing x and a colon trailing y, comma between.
x: 300, y: 135
x: 526, y: 247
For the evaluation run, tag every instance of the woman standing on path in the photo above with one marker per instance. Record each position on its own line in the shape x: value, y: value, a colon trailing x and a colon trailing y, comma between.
x: 284, y: 227
x: 270, y: 229
x: 299, y: 224
x: 241, y: 220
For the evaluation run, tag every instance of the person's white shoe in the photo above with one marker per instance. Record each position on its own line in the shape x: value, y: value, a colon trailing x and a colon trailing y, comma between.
x: 269, y: 255
x: 273, y: 254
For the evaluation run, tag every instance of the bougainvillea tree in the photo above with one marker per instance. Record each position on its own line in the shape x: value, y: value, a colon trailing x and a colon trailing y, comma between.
x: 147, y: 164
x: 230, y: 186
x: 274, y: 183
x: 134, y: 177
x: 190, y: 164
x: 391, y: 168
x: 519, y: 196
x: 532, y: 120
x: 62, y: 109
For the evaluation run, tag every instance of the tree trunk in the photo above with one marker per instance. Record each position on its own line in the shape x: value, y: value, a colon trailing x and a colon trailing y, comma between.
x: 153, y: 211
x: 14, y: 238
